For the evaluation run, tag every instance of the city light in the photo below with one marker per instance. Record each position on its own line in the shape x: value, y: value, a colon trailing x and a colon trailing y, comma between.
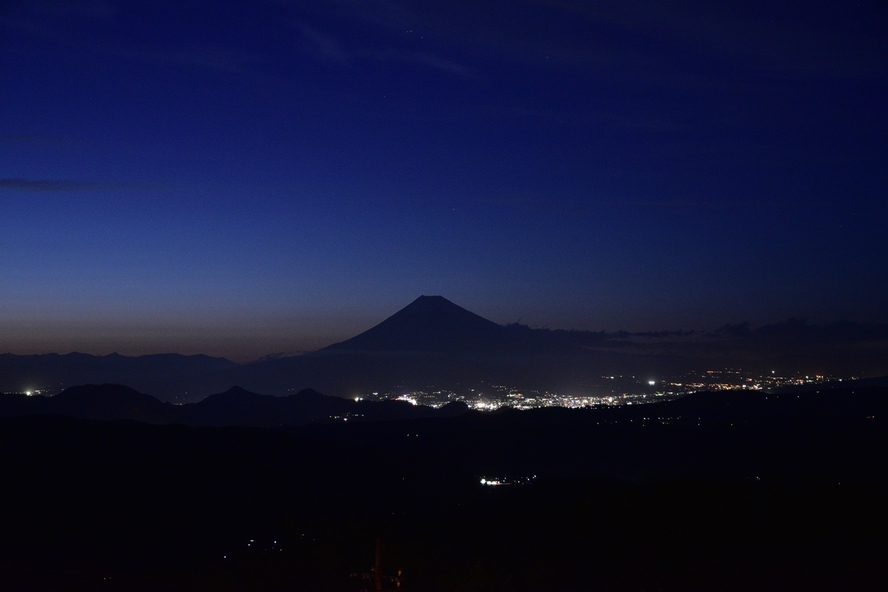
x: 609, y: 390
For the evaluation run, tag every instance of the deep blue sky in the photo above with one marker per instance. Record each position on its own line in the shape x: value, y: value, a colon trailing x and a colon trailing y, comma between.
x: 240, y: 178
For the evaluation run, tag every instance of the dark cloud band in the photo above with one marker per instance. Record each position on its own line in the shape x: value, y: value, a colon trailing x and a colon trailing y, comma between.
x: 47, y: 185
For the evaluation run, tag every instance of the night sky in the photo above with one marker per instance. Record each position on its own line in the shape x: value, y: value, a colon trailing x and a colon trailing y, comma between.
x: 242, y: 178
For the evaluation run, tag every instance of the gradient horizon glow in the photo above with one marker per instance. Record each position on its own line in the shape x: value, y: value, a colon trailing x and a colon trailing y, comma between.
x: 239, y: 178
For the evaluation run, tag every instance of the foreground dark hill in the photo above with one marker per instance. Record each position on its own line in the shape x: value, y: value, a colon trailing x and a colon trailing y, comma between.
x: 712, y: 492
x: 121, y: 505
x: 234, y: 407
x: 836, y: 436
x: 160, y: 373
x: 240, y: 407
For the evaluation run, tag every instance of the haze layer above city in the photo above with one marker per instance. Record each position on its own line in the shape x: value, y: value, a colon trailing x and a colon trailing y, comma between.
x: 241, y: 179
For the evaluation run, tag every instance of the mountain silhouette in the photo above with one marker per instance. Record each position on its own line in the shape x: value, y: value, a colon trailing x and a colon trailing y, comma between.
x: 433, y: 343
x: 150, y: 373
x: 106, y: 401
x: 234, y: 407
x: 238, y: 406
x: 428, y: 324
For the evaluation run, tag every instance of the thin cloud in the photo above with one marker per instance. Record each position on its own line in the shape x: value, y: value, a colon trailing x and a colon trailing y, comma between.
x: 813, y: 42
x: 798, y: 47
x: 46, y: 185
x: 61, y: 185
x: 324, y: 46
x: 440, y: 63
x: 329, y: 49
x: 425, y: 59
x: 211, y: 57
x: 36, y: 140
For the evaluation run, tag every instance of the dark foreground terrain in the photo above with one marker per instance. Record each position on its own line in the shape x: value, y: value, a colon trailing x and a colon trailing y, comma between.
x: 716, y: 491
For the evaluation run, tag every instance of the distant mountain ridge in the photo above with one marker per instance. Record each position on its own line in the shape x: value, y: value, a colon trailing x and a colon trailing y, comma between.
x: 434, y: 344
x: 234, y: 407
x: 150, y: 373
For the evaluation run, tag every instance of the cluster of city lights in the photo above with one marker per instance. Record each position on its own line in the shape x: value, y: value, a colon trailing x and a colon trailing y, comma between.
x: 612, y: 390
x: 502, y: 481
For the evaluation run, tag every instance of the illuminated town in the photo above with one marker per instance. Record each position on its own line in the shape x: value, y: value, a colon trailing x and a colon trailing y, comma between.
x: 614, y: 390
x: 610, y: 391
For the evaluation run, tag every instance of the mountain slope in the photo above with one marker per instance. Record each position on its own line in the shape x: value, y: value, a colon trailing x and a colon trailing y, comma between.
x: 428, y: 324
